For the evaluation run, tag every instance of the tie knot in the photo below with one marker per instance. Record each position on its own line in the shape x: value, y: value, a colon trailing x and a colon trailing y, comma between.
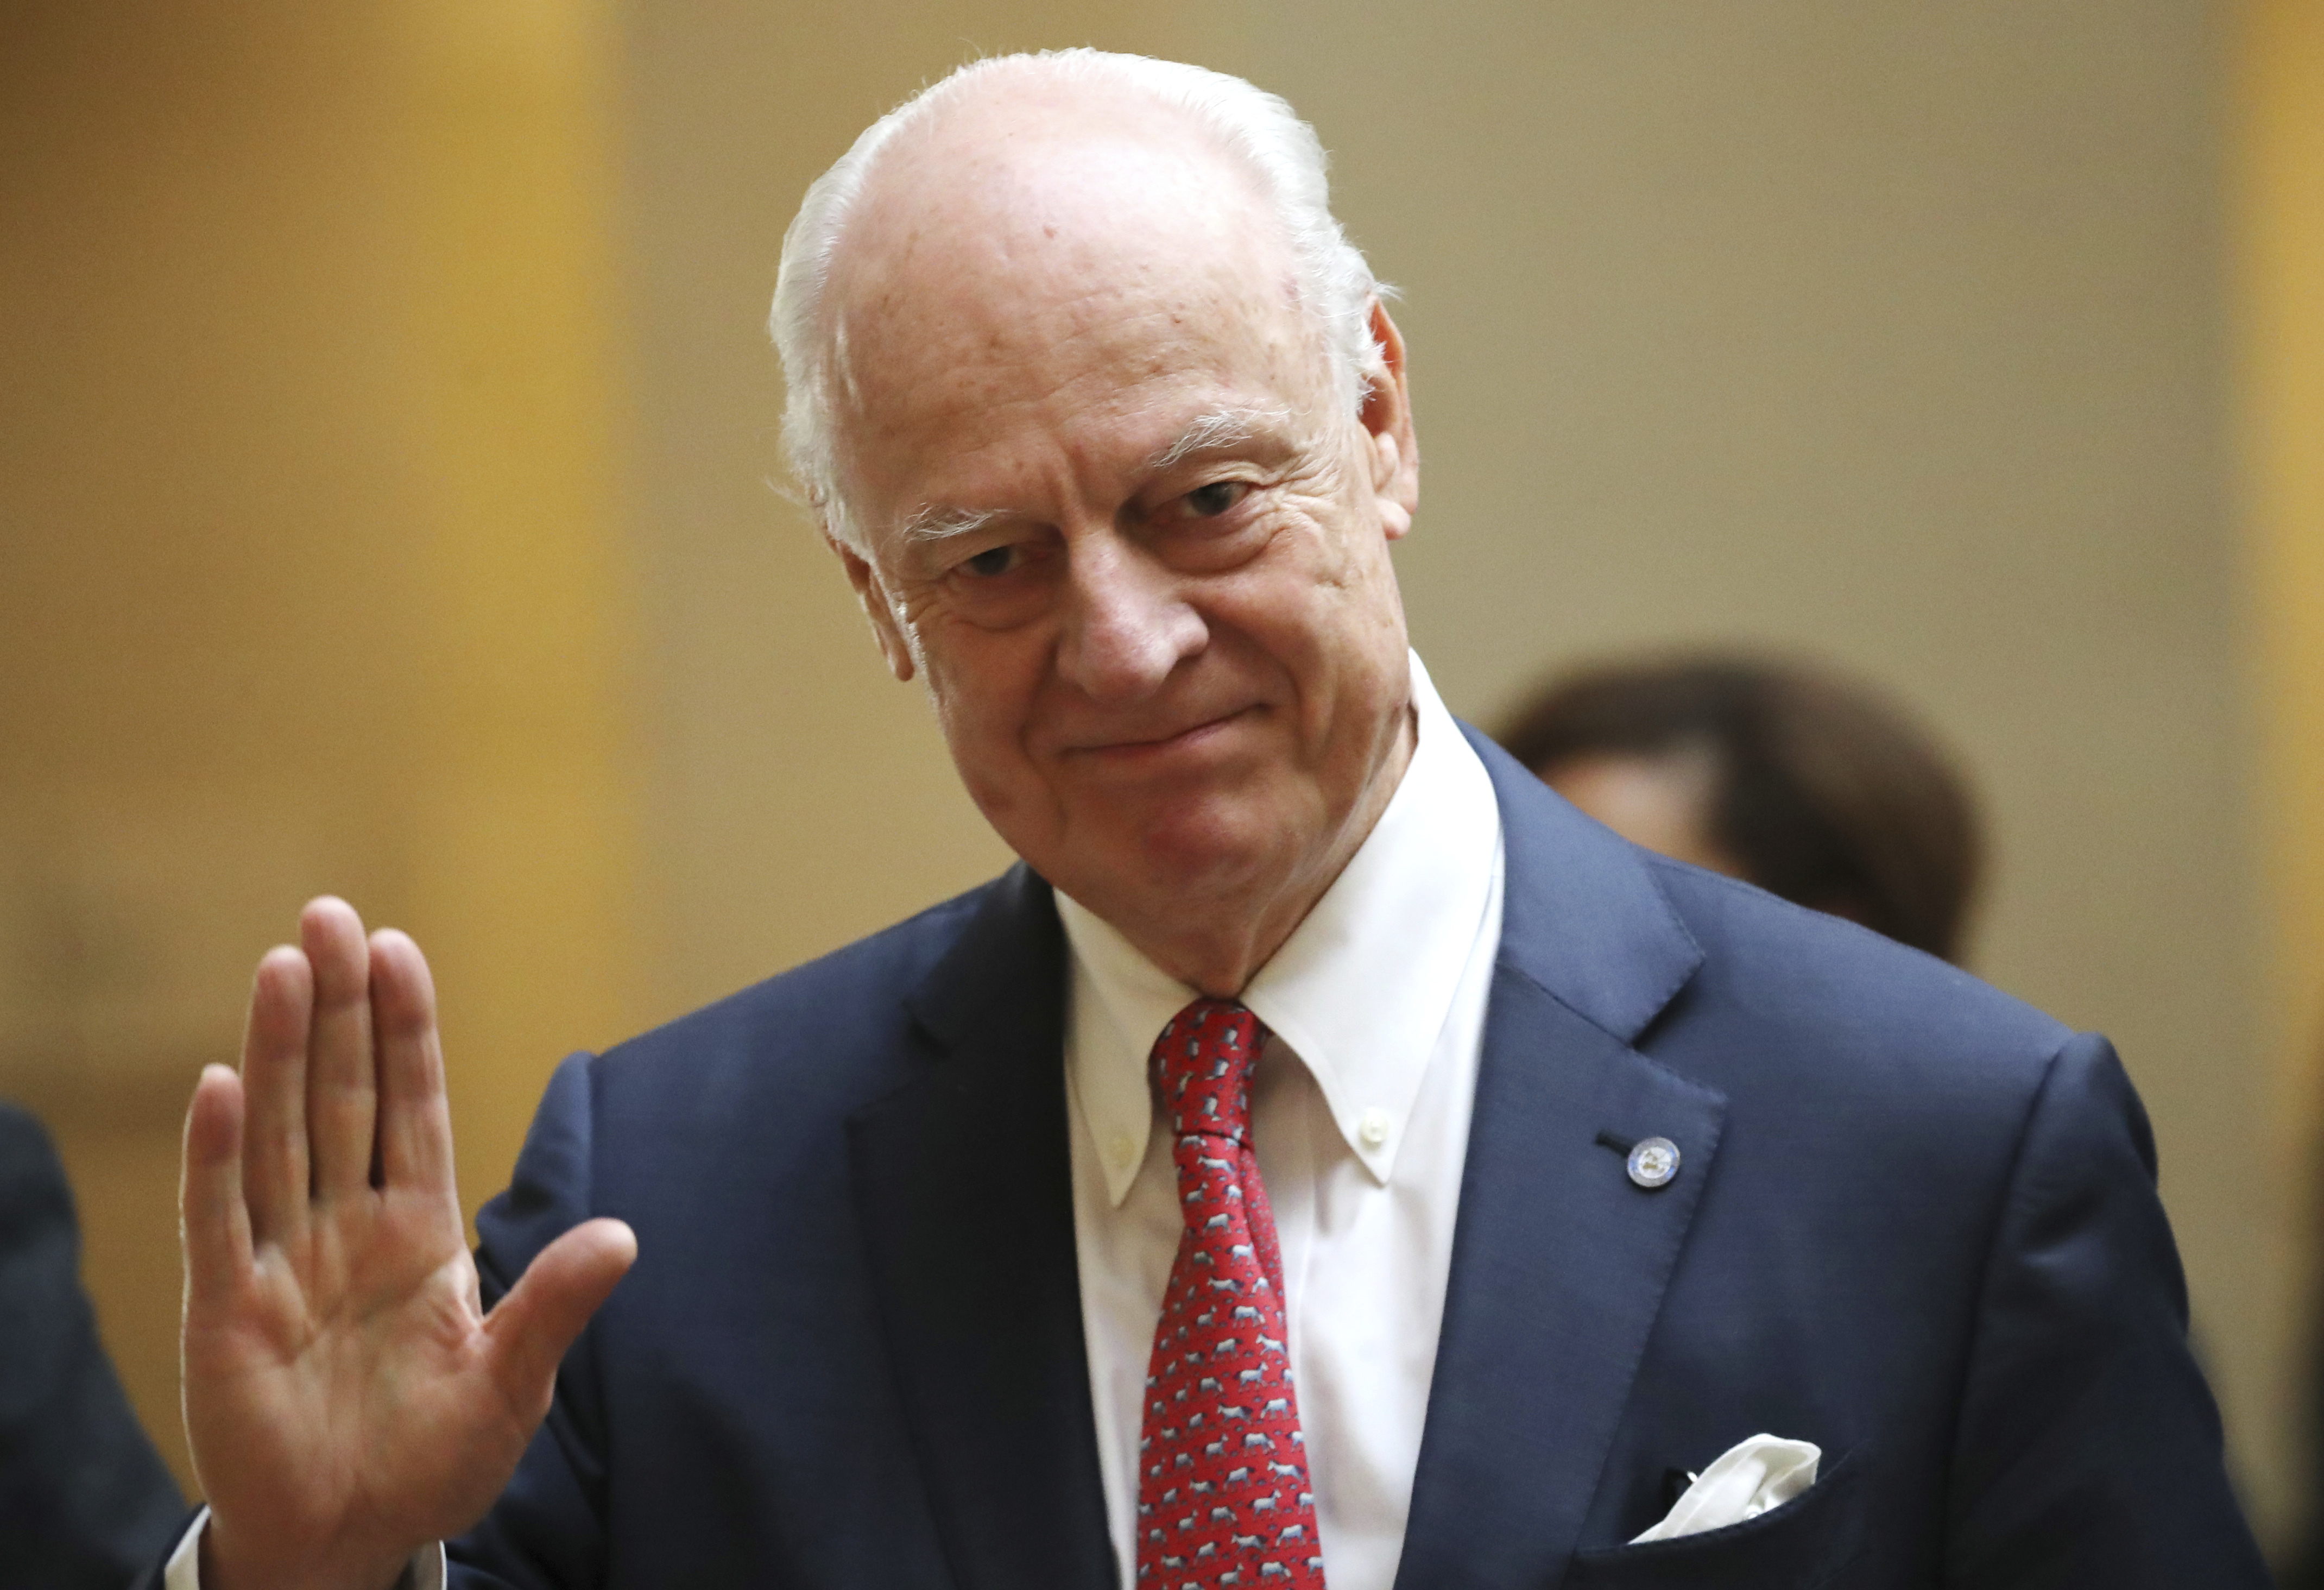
x: 1202, y: 1064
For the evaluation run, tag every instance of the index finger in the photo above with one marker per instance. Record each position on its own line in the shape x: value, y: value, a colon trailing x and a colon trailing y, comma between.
x: 213, y: 1218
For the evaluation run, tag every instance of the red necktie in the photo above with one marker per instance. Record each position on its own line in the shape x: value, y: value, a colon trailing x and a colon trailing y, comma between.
x: 1224, y: 1497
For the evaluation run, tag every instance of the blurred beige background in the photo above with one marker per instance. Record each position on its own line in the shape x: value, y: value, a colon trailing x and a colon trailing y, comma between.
x: 385, y: 465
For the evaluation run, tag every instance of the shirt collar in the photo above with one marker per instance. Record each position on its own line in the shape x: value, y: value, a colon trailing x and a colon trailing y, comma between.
x: 1359, y: 991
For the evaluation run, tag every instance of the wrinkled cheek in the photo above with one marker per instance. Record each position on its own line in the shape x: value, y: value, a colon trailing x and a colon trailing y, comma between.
x: 987, y: 754
x: 994, y: 798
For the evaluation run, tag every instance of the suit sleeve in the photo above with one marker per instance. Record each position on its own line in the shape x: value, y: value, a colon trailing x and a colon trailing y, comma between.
x: 546, y: 1532
x: 2088, y: 1446
x: 84, y: 1498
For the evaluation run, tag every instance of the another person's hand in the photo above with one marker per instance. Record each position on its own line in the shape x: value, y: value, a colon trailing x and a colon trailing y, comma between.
x: 346, y: 1397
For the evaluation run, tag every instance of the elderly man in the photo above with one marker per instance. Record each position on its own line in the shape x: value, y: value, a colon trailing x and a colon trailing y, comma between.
x: 1326, y: 1158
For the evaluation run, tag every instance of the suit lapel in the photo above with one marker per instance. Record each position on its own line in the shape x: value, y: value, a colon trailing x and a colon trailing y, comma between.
x: 963, y: 1186
x: 1559, y: 1259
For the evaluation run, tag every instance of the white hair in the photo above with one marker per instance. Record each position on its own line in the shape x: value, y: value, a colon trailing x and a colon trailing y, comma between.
x: 1258, y: 130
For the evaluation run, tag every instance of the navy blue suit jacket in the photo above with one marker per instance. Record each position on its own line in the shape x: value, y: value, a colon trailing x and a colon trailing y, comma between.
x: 1914, y: 1222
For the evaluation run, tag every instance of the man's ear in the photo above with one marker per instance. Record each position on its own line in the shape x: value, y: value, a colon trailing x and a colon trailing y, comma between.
x: 1386, y: 416
x: 886, y: 627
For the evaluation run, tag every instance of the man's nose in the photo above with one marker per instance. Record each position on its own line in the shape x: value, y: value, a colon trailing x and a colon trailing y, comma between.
x: 1127, y: 622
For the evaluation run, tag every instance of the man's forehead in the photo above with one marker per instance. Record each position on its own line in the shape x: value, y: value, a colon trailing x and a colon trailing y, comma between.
x: 1135, y: 372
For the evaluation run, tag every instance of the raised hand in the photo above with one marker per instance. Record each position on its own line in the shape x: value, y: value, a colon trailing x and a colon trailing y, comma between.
x: 347, y: 1399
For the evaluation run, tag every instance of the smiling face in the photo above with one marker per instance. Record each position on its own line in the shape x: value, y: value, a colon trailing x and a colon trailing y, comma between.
x: 1120, y: 520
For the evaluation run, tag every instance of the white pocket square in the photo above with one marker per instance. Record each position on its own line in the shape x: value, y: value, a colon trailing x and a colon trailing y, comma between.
x: 1743, y: 1482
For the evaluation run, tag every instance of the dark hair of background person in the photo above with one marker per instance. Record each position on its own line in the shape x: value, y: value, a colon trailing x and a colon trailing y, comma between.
x: 1820, y: 792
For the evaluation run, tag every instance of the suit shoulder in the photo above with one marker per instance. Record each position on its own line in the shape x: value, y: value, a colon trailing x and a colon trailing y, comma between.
x: 843, y: 1003
x: 740, y: 1105
x: 1836, y: 1050
x: 1819, y: 986
x: 886, y: 963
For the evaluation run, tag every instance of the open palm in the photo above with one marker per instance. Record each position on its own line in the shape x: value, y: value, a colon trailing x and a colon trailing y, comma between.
x: 346, y: 1397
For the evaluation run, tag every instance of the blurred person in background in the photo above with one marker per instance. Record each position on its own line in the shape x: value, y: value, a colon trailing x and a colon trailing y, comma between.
x: 1808, y: 785
x: 2302, y: 1567
x: 84, y: 1501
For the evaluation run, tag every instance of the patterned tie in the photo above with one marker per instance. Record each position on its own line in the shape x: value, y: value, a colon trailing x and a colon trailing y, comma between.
x: 1224, y: 1497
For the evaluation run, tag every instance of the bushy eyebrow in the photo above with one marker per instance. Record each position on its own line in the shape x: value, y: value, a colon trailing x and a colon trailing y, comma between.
x: 932, y: 525
x: 1215, y: 432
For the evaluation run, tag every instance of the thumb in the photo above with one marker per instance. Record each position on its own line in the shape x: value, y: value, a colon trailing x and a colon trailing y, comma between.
x: 531, y: 1328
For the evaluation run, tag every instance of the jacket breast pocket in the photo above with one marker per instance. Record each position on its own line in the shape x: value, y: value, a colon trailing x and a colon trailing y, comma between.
x: 1806, y: 1543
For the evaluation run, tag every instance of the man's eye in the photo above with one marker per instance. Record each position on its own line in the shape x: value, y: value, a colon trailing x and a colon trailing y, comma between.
x: 990, y: 562
x: 1208, y: 502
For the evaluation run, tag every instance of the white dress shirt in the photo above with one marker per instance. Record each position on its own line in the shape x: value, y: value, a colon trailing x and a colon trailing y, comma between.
x: 1375, y: 1009
x: 1360, y: 1115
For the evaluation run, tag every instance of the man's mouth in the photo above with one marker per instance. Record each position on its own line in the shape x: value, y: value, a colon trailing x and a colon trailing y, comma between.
x: 1145, y: 747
